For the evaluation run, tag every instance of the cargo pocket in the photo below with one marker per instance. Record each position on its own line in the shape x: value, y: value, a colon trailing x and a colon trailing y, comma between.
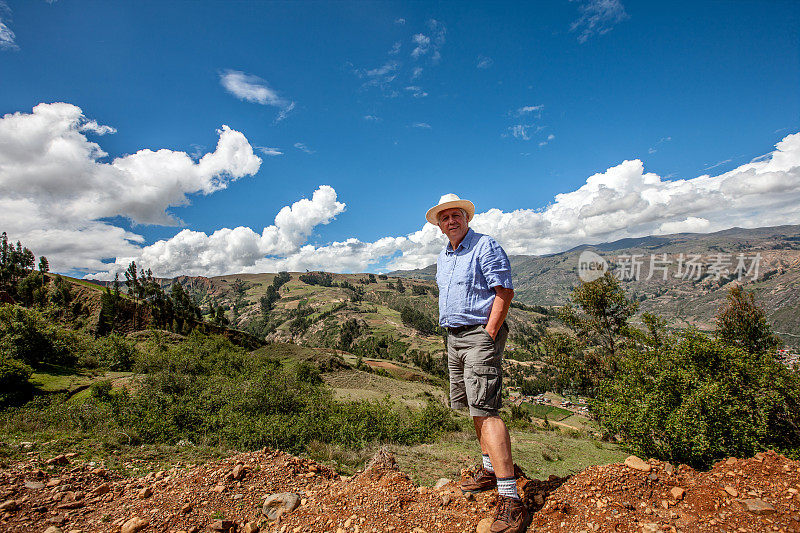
x: 487, y: 390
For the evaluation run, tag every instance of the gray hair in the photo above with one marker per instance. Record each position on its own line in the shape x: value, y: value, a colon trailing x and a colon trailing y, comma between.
x: 463, y: 214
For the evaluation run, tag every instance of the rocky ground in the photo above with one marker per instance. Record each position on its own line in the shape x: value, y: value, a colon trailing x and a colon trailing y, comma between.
x: 272, y: 491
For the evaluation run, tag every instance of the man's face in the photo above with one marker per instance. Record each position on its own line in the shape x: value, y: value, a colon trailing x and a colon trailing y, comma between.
x: 453, y: 224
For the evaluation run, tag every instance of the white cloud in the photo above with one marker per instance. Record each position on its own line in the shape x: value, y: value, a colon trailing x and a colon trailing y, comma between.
x: 93, y: 126
x: 520, y: 131
x: 484, y: 62
x: 400, y: 21
x: 251, y: 88
x: 395, y: 48
x: 598, y: 17
x: 525, y: 110
x: 372, y: 118
x: 56, y: 192
x: 7, y: 38
x: 303, y: 148
x: 416, y: 73
x: 272, y: 152
x: 416, y: 91
x: 421, y: 125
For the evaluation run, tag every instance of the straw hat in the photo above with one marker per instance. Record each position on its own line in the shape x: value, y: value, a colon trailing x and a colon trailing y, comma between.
x: 449, y: 201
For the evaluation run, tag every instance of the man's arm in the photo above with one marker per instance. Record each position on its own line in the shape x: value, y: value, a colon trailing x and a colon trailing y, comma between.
x: 502, y: 301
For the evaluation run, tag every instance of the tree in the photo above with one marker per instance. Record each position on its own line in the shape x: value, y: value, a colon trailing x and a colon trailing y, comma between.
x: 399, y: 286
x: 742, y: 323
x: 132, y: 284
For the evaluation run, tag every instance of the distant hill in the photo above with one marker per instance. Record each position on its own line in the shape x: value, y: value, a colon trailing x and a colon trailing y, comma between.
x: 548, y: 280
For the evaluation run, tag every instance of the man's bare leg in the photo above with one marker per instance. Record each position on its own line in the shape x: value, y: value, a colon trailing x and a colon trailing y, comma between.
x: 496, y: 443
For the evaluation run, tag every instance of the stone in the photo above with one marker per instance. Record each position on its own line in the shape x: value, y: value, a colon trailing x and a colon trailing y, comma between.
x: 677, y: 493
x: 77, y: 504
x: 53, y: 482
x: 651, y: 528
x: 57, y: 460
x: 484, y: 526
x: 34, y: 485
x: 102, y: 489
x: 441, y: 483
x: 757, y: 506
x: 733, y: 493
x: 53, y: 529
x: 538, y: 499
x: 251, y: 527
x: 134, y: 524
x: 669, y: 469
x: 8, y: 505
x: 238, y: 471
x: 219, y: 488
x: 223, y: 525
x: 145, y: 493
x: 469, y: 496
x: 187, y: 508
x: 637, y: 464
x: 277, y: 504
x: 446, y: 498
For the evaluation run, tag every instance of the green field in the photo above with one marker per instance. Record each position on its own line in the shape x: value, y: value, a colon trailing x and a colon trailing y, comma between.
x: 550, y: 411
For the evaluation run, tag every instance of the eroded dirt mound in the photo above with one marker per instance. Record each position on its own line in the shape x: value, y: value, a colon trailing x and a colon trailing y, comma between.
x: 758, y: 494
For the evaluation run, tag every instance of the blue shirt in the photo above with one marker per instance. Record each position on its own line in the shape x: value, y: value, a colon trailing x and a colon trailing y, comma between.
x: 466, y: 276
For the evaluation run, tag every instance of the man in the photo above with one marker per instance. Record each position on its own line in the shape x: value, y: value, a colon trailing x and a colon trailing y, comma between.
x: 475, y: 291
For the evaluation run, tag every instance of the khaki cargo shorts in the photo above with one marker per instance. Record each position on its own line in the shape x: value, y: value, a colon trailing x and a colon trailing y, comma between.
x: 475, y: 361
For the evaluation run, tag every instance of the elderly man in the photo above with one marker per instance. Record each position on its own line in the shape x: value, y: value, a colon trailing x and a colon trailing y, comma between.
x: 475, y: 291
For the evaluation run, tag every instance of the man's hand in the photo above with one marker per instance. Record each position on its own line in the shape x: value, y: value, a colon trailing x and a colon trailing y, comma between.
x: 497, y: 316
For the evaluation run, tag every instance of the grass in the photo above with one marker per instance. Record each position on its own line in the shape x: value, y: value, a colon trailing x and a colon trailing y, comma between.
x: 538, y: 453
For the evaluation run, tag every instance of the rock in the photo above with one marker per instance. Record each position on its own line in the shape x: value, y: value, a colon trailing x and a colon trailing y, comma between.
x: 145, y: 493
x: 733, y: 493
x: 441, y: 483
x: 669, y: 469
x: 34, y: 485
x: 187, y: 508
x: 538, y: 499
x: 469, y: 496
x: 102, y: 489
x: 57, y: 460
x: 677, y: 493
x: 277, y: 504
x: 757, y: 506
x: 134, y: 524
x: 77, y: 504
x: 651, y: 528
x: 8, y: 505
x: 446, y: 498
x: 484, y: 526
x: 53, y: 482
x: 251, y: 527
x: 53, y: 529
x: 637, y: 464
x: 238, y: 471
x: 223, y: 525
x: 219, y: 489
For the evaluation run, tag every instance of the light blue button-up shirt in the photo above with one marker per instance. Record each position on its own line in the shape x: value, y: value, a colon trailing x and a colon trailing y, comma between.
x: 466, y: 276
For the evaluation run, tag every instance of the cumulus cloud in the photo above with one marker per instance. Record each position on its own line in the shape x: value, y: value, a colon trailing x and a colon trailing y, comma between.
x: 623, y: 201
x: 54, y: 183
x: 598, y: 17
x: 251, y: 88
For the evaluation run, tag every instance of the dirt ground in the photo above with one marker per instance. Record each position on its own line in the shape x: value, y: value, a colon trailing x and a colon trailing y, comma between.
x: 58, y: 494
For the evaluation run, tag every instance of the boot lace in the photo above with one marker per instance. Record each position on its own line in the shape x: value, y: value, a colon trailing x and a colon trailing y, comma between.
x: 504, y: 510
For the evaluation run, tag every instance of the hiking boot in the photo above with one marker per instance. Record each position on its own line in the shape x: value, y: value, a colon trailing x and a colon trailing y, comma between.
x: 480, y: 481
x: 511, y: 517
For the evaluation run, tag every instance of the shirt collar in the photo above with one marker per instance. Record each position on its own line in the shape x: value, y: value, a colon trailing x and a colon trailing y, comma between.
x: 463, y: 244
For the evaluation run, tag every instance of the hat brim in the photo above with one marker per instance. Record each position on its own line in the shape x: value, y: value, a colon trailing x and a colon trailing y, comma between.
x: 433, y: 212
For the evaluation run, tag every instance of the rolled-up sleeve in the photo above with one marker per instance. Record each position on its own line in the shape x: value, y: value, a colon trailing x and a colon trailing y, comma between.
x: 495, y: 265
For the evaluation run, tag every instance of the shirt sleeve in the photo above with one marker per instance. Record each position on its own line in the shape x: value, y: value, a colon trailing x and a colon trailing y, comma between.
x: 495, y: 265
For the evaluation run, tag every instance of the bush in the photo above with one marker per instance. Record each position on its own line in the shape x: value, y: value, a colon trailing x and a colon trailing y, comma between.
x: 26, y: 335
x: 14, y: 386
x: 697, y: 400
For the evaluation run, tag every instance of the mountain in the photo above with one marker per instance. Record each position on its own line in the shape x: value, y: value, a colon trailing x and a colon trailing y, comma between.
x: 547, y: 280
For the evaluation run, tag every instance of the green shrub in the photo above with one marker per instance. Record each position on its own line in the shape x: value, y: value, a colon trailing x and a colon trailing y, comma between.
x: 697, y: 400
x: 14, y: 386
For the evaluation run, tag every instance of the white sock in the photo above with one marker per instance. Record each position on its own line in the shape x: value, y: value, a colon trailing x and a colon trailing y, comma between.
x: 507, y: 486
x: 487, y: 464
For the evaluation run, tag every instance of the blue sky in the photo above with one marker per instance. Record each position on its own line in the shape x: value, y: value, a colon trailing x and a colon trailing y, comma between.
x: 390, y: 105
